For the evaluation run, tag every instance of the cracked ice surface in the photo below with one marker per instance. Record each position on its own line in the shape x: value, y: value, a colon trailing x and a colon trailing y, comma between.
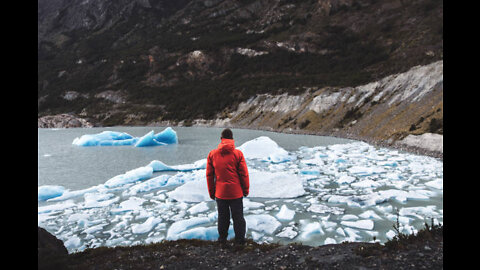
x: 315, y: 195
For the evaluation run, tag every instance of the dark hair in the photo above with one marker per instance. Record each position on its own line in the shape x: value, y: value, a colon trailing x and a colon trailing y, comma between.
x: 227, y: 134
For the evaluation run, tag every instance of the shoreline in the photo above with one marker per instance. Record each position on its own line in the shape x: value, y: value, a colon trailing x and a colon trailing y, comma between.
x: 377, y: 143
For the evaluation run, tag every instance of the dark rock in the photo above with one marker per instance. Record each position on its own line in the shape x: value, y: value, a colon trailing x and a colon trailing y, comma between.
x: 51, y: 251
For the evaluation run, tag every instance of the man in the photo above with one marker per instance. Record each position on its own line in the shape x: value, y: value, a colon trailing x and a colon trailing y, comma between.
x: 228, y: 182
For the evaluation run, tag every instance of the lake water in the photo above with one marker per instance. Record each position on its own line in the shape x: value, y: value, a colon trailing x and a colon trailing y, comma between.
x: 337, y: 189
x: 61, y: 163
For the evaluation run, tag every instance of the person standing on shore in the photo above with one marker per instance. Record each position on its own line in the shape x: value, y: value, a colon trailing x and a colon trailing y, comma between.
x: 228, y: 182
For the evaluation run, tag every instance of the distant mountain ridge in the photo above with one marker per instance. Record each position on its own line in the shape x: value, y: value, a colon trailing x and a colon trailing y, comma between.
x: 142, y: 62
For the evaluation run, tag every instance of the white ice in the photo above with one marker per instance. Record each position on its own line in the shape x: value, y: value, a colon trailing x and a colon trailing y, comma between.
x: 265, y: 149
x: 49, y: 191
x: 317, y: 195
x: 262, y: 223
x: 285, y: 213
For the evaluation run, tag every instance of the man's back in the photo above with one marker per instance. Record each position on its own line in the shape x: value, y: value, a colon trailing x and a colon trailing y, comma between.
x: 227, y: 173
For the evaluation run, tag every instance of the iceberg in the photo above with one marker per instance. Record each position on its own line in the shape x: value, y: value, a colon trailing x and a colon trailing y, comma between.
x: 205, y: 233
x: 285, y: 185
x: 148, y: 140
x: 311, y: 229
x: 262, y: 223
x: 49, y: 191
x: 266, y: 149
x: 178, y: 227
x: 193, y: 191
x: 104, y: 138
x: 159, y: 166
x: 116, y: 138
x: 287, y: 232
x: 285, y: 213
x: 147, y: 226
x: 360, y: 224
x: 134, y: 175
x: 167, y: 136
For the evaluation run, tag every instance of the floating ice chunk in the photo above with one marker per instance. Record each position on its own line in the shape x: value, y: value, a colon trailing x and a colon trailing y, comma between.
x: 287, y: 232
x: 345, y: 179
x: 286, y: 185
x: 352, y: 234
x: 56, y: 207
x: 369, y: 214
x: 73, y: 242
x: 192, y: 191
x: 390, y: 234
x: 349, y: 217
x: 322, y: 209
x: 285, y: 213
x: 256, y: 236
x: 149, y: 185
x: 263, y: 223
x: 311, y: 229
x: 147, y: 226
x: 168, y: 136
x: 104, y: 138
x: 343, y: 200
x: 365, y: 184
x: 419, y: 211
x: 360, y: 224
x: 134, y: 175
x: 264, y: 148
x: 329, y: 241
x: 197, y: 165
x: 132, y: 204
x: 49, y: 191
x: 365, y: 171
x: 198, y: 208
x: 159, y: 166
x: 148, y: 140
x: 340, y: 231
x: 247, y: 204
x: 208, y: 233
x: 438, y: 184
x: 155, y: 239
x: 94, y: 228
x: 75, y: 193
x: 178, y: 227
x: 99, y: 203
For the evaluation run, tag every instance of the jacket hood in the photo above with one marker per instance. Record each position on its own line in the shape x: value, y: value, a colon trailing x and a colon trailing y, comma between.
x: 226, y: 146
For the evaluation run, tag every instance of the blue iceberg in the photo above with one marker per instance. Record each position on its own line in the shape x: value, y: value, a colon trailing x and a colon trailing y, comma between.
x: 168, y: 136
x: 148, y: 140
x: 47, y: 192
x: 115, y: 138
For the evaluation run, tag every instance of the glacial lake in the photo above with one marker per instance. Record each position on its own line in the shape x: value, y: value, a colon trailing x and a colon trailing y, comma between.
x: 341, y: 190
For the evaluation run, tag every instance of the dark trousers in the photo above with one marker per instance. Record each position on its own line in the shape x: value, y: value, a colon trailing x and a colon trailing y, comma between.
x: 225, y: 207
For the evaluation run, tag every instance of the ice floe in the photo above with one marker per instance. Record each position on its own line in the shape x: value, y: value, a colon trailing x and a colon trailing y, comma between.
x: 316, y: 195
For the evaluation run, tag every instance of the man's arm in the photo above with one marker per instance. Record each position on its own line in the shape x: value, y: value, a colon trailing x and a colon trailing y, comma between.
x: 243, y: 174
x: 210, y: 177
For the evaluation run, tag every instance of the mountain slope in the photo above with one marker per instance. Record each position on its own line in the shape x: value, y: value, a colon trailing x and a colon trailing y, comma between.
x: 144, y: 61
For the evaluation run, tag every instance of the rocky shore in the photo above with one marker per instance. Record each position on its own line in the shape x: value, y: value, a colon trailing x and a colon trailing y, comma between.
x: 421, y: 251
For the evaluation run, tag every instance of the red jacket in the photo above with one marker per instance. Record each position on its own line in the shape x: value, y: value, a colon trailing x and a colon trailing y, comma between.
x: 227, y: 173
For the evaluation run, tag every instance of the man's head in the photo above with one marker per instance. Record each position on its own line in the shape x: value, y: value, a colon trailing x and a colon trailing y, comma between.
x: 227, y: 134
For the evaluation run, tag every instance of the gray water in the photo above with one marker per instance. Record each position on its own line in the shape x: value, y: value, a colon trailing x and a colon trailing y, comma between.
x: 74, y: 167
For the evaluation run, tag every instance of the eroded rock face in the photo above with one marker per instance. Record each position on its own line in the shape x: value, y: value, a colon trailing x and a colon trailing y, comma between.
x: 62, y: 121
